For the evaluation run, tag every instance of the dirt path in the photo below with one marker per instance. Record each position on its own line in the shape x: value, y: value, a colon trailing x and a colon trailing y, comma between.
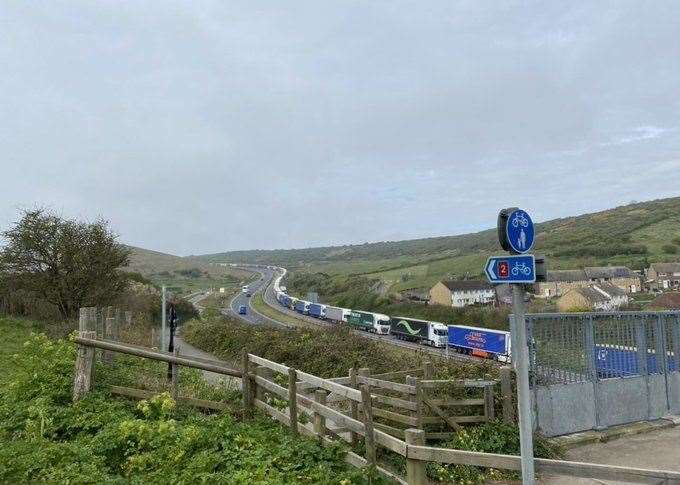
x: 188, y: 350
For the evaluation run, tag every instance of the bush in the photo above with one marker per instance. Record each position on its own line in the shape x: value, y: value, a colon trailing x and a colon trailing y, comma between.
x: 327, y: 352
x: 669, y: 248
x: 46, y: 438
x: 494, y: 437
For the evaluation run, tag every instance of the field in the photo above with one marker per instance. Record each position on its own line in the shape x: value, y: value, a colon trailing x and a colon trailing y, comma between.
x: 632, y: 235
x: 183, y: 275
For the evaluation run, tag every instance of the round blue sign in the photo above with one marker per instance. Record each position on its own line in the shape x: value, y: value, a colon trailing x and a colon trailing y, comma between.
x: 520, y: 231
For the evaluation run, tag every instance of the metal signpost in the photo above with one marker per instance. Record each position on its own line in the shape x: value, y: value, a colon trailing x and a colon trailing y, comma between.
x: 516, y: 235
x: 163, y: 314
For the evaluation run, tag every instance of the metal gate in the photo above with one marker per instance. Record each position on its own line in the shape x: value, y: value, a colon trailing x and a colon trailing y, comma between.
x: 595, y: 370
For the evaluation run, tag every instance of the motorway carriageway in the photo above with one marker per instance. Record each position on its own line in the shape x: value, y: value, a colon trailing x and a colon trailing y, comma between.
x: 255, y: 318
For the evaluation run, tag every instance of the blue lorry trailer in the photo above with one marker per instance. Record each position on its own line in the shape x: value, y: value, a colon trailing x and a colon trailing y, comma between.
x: 482, y: 342
x: 302, y: 306
x: 625, y: 361
x: 317, y: 310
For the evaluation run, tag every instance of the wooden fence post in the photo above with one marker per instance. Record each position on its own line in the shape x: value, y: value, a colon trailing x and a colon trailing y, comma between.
x: 175, y: 376
x: 92, y: 327
x: 84, y: 376
x: 265, y: 373
x: 418, y: 399
x: 354, y: 413
x: 415, y: 469
x: 292, y: 400
x: 109, y: 323
x: 368, y: 424
x: 319, y: 419
x: 489, y: 405
x: 246, y: 384
x: 506, y: 393
x: 428, y: 370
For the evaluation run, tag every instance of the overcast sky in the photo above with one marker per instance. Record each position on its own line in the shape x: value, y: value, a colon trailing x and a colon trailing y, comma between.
x: 203, y: 126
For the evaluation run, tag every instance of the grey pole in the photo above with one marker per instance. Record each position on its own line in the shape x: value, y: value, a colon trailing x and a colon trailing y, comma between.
x: 162, y: 345
x: 521, y: 359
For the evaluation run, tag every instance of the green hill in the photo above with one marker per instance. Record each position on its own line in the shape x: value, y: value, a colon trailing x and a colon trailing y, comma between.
x: 182, y: 274
x: 632, y: 235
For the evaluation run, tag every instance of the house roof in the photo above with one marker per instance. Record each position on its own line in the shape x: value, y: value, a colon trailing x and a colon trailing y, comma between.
x: 609, y: 272
x: 668, y: 301
x: 467, y: 285
x: 666, y: 267
x: 567, y: 275
x: 599, y: 293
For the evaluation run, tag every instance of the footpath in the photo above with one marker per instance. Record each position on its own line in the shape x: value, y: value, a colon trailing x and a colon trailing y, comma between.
x: 658, y: 449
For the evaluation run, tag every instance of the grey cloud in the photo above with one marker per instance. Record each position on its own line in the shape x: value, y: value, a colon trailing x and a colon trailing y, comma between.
x: 206, y: 126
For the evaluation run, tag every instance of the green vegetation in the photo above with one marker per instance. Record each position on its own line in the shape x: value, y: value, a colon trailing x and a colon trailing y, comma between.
x: 183, y: 275
x: 46, y: 438
x: 327, y: 352
x: 632, y: 235
x: 64, y: 264
x: 359, y: 292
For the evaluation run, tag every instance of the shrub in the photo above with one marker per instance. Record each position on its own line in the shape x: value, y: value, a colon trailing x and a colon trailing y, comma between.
x: 669, y: 248
x: 327, y: 352
x: 46, y: 438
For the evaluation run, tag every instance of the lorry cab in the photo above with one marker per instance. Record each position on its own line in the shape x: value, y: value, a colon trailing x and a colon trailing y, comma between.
x: 438, y: 334
x: 381, y: 324
x: 244, y: 289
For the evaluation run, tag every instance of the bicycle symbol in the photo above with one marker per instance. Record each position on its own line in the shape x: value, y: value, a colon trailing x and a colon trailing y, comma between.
x: 520, y: 220
x: 521, y: 268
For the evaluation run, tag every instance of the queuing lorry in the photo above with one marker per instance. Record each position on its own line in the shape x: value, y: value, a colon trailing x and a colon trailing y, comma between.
x: 336, y: 314
x: 481, y: 342
x: 317, y: 310
x: 302, y: 306
x: 369, y: 322
x: 421, y: 331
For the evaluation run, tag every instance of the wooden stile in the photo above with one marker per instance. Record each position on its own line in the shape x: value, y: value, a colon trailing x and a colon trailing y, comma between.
x: 369, y: 437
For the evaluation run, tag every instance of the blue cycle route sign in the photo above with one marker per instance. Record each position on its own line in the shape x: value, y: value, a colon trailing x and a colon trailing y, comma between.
x: 511, y: 269
x: 520, y: 231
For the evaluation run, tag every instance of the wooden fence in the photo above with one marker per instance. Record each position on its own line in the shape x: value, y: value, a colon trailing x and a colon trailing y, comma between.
x: 329, y: 421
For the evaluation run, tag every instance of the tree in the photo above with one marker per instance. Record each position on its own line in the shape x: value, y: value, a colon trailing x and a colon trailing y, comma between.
x: 69, y: 264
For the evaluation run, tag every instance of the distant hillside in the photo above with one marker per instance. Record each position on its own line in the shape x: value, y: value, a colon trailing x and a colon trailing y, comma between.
x: 633, y: 235
x: 179, y: 272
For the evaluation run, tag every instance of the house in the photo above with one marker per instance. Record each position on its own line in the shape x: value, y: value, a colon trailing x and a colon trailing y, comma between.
x: 559, y: 282
x: 597, y: 297
x: 667, y: 301
x: 462, y: 293
x: 663, y: 275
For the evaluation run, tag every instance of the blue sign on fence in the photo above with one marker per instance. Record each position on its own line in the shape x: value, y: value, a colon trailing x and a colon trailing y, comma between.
x: 511, y: 269
x: 520, y: 231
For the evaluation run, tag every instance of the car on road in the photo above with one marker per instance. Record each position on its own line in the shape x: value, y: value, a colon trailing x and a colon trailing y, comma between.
x: 248, y: 295
x: 242, y: 310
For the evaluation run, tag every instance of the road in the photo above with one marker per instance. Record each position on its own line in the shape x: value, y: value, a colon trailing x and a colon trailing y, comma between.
x: 263, y: 284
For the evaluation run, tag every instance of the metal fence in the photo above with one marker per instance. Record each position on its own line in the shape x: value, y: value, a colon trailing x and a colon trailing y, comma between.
x: 593, y: 370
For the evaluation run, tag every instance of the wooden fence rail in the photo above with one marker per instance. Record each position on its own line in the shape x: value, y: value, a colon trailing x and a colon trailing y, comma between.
x: 256, y: 381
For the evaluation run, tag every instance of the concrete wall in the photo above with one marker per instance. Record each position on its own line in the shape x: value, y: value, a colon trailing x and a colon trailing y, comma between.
x: 570, y: 408
x: 564, y: 408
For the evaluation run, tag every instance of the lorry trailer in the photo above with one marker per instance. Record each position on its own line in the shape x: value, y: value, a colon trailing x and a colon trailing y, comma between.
x: 336, y: 314
x: 302, y: 306
x: 421, y: 331
x: 369, y: 322
x: 317, y: 310
x: 482, y: 342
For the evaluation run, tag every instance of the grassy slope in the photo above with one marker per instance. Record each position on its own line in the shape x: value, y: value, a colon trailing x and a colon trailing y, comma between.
x: 45, y: 438
x: 616, y: 234
x: 163, y: 269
